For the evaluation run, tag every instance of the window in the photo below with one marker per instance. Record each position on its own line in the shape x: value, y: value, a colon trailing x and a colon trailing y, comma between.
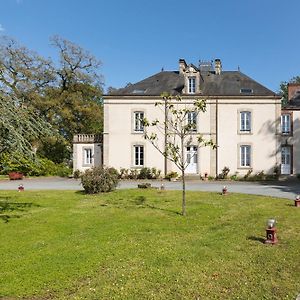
x: 138, y: 155
x: 286, y: 124
x: 245, y: 121
x: 192, y: 85
x: 192, y: 120
x: 138, y: 121
x: 246, y: 91
x: 245, y: 156
x: 88, y: 156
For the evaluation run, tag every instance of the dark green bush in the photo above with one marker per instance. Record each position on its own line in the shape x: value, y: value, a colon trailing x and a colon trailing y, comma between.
x: 76, y: 174
x: 99, y: 179
x: 145, y: 173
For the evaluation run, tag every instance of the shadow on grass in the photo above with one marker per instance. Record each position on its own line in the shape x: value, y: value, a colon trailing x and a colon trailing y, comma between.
x: 163, y: 209
x: 256, y: 239
x: 8, y: 208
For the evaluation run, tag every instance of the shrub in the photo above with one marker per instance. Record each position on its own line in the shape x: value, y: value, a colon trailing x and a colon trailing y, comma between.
x: 224, y: 173
x: 172, y: 175
x: 32, y: 167
x: 76, y: 174
x: 155, y: 173
x: 99, y: 179
x: 248, y: 173
x: 133, y: 174
x: 124, y: 173
x: 145, y: 173
x: 234, y: 176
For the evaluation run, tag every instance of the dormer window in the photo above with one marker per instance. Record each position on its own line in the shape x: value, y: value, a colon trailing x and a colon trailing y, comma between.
x: 192, y: 85
x: 246, y: 91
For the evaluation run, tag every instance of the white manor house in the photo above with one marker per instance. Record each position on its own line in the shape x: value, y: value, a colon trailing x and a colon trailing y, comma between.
x: 243, y: 118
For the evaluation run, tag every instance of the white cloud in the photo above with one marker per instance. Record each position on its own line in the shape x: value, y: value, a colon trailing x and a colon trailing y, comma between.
x: 1, y: 28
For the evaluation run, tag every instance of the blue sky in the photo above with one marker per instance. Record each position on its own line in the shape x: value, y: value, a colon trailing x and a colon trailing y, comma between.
x: 135, y: 39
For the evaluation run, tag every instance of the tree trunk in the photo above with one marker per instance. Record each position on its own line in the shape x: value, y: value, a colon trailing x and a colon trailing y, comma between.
x: 183, y: 193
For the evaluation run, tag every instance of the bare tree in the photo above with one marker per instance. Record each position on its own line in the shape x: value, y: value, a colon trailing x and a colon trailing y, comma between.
x: 179, y: 131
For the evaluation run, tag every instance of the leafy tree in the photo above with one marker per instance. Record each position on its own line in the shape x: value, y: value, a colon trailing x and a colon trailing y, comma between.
x: 20, y: 127
x: 23, y: 73
x: 68, y: 95
x: 179, y: 130
x: 74, y: 104
x: 284, y: 88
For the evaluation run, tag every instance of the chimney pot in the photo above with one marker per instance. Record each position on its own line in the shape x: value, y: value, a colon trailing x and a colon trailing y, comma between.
x: 218, y: 66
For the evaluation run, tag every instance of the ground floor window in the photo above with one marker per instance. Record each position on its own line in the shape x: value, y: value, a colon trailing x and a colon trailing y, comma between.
x: 139, y: 155
x: 88, y: 156
x: 245, y: 155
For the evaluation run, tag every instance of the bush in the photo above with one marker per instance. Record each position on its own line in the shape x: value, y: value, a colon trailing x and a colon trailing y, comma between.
x: 32, y: 167
x: 76, y: 174
x: 145, y: 173
x: 171, y: 175
x: 99, y: 179
x: 224, y: 173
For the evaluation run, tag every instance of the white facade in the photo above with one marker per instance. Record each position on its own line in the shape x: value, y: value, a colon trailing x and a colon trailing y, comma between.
x: 238, y: 148
x: 243, y: 118
x: 87, y: 152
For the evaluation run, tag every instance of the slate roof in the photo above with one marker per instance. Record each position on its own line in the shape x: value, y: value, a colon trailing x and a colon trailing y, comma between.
x: 228, y: 83
x: 294, y: 102
x: 165, y: 81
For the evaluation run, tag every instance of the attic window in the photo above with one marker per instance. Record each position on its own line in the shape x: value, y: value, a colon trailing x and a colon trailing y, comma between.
x: 246, y: 91
x: 138, y: 92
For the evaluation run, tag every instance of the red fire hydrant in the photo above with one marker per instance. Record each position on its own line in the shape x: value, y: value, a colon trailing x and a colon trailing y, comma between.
x: 297, y: 201
x: 224, y: 190
x: 271, y: 232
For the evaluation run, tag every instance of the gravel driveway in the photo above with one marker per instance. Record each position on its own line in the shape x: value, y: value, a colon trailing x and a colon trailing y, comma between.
x: 282, y: 189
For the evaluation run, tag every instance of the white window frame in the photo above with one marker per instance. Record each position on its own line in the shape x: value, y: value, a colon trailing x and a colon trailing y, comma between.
x: 88, y: 156
x: 138, y: 117
x: 192, y: 84
x: 286, y: 124
x: 245, y: 121
x: 192, y: 120
x: 138, y: 155
x: 245, y: 156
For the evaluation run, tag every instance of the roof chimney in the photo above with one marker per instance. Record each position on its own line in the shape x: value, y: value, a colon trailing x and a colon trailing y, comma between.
x: 293, y: 89
x: 182, y: 66
x: 218, y: 66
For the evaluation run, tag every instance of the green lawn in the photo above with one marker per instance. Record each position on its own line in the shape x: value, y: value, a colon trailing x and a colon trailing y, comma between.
x: 133, y: 244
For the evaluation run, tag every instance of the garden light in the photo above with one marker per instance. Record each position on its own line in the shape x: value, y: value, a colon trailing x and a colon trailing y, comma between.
x: 271, y: 232
x: 21, y: 188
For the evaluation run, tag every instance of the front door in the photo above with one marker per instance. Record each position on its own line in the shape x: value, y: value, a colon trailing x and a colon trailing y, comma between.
x: 192, y: 159
x: 286, y: 160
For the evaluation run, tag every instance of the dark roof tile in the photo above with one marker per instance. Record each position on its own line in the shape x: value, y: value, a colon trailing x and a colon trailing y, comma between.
x: 228, y: 83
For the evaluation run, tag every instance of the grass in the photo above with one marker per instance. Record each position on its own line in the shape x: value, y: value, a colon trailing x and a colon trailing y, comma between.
x: 133, y: 244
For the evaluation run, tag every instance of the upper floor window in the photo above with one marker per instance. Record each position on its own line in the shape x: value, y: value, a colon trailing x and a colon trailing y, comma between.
x: 286, y: 124
x: 192, y: 85
x: 192, y: 120
x: 138, y: 121
x: 88, y: 156
x: 245, y: 155
x: 245, y: 121
x: 138, y: 155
